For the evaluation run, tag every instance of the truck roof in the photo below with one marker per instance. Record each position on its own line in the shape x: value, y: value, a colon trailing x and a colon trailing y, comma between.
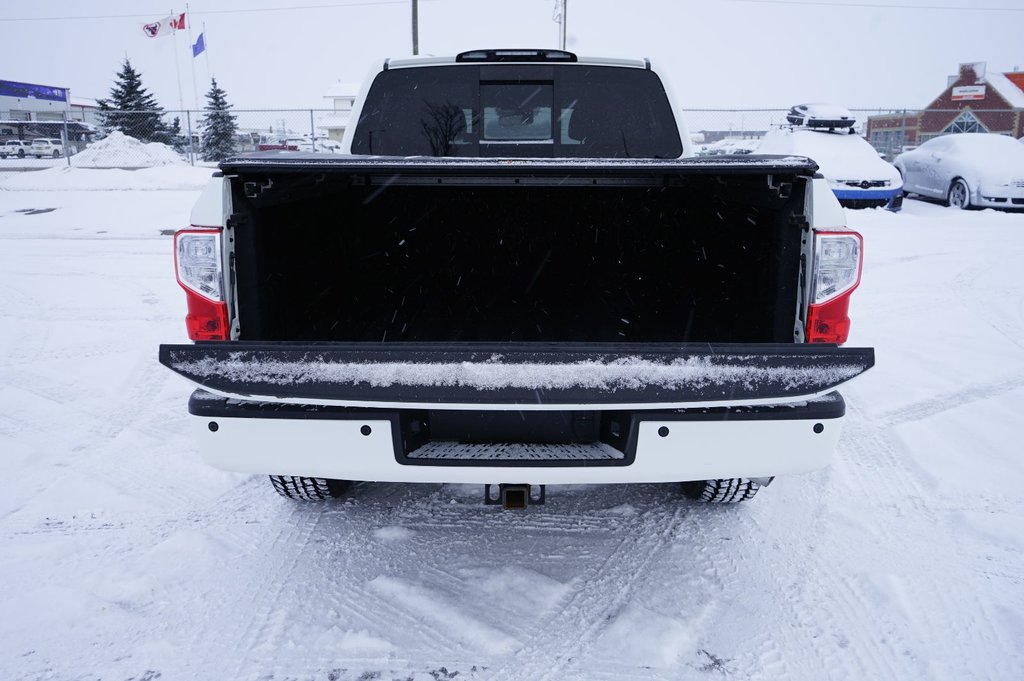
x: 535, y: 56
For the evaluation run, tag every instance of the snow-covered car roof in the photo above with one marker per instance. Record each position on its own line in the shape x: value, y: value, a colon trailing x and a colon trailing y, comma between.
x: 979, y: 142
x: 985, y: 154
x: 840, y: 156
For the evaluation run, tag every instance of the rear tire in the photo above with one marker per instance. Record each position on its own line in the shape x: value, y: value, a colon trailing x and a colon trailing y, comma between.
x: 725, y: 491
x: 308, y: 489
x: 959, y: 195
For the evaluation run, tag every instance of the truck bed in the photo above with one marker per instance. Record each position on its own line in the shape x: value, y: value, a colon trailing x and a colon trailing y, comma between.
x: 373, y: 249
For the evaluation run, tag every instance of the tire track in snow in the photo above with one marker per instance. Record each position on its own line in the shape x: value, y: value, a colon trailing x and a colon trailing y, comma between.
x: 831, y: 640
x: 923, y: 409
x: 600, y: 596
x: 264, y: 590
x: 327, y: 571
x: 883, y: 632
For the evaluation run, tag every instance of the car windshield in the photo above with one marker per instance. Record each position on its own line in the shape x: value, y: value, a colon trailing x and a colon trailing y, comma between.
x: 523, y: 111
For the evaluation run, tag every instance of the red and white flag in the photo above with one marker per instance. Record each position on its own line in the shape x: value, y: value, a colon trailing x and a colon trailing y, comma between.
x: 164, y: 27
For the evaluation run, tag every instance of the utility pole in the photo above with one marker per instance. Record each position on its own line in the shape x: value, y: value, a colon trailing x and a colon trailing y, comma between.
x: 415, y: 27
x: 559, y: 18
x: 565, y: 9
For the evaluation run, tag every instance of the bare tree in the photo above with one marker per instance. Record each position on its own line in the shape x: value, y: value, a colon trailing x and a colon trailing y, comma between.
x: 442, y: 124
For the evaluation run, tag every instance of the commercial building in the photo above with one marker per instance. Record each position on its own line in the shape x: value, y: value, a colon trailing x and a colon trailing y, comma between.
x: 30, y: 110
x: 974, y: 100
x: 342, y: 97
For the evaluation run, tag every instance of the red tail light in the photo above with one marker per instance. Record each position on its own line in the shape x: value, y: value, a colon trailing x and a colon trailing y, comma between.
x: 199, y: 268
x: 838, y: 258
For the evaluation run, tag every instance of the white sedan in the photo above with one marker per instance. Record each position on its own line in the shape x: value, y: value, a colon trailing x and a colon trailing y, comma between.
x: 966, y: 170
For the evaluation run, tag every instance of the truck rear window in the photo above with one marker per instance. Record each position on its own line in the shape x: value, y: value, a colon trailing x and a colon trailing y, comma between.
x: 575, y: 111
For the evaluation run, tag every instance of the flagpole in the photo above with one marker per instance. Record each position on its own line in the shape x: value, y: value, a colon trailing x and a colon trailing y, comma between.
x: 177, y: 67
x: 177, y: 72
x: 192, y: 59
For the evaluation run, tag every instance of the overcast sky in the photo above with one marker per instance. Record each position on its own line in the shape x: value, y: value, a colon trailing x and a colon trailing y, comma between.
x: 718, y: 53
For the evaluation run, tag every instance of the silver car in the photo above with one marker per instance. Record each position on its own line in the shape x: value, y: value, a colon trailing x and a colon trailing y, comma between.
x: 966, y: 170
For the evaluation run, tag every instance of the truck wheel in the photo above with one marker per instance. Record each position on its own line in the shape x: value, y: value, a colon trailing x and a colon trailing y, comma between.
x: 56, y: 154
x: 959, y: 195
x: 308, y: 489
x: 727, y: 491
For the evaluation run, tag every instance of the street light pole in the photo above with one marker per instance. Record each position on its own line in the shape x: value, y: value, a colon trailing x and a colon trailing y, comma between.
x: 415, y: 27
x: 565, y: 9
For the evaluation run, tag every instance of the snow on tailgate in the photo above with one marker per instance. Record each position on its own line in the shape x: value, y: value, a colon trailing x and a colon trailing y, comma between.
x: 524, y: 375
x: 626, y: 372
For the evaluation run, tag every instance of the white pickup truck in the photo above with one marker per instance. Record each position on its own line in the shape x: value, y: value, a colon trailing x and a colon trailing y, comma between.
x: 517, y: 276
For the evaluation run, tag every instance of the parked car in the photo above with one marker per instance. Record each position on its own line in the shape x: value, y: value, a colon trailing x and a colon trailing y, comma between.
x: 821, y: 116
x: 966, y: 170
x: 15, y: 148
x: 328, y: 146
x: 45, y: 146
x: 857, y: 175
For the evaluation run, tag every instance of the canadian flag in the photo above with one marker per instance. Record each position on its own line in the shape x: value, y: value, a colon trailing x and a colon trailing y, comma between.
x: 165, y: 26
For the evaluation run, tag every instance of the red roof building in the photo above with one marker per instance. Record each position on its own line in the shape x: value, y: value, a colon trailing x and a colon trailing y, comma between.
x: 973, y: 101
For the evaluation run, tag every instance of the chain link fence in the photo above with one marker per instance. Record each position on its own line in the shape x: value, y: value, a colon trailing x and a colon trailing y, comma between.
x: 152, y: 138
x: 142, y: 139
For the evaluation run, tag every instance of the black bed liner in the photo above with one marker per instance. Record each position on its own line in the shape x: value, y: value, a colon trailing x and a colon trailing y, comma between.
x: 513, y: 374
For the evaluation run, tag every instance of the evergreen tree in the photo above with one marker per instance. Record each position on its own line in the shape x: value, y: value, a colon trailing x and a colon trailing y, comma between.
x: 132, y: 110
x: 178, y: 141
x: 219, y: 126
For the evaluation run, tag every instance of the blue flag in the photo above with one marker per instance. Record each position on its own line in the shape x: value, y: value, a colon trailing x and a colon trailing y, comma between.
x: 199, y: 47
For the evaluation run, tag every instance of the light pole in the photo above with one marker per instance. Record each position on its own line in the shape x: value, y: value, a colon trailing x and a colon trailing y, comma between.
x: 559, y: 18
x: 415, y: 27
x: 565, y: 4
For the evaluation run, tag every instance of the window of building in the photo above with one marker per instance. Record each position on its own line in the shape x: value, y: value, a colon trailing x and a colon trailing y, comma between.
x: 965, y: 122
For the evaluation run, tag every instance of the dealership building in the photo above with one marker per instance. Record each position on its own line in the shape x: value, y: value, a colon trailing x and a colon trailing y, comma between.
x: 974, y: 100
x: 29, y: 110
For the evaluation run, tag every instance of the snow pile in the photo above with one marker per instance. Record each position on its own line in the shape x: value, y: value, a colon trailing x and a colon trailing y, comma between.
x: 177, y: 177
x: 118, y: 150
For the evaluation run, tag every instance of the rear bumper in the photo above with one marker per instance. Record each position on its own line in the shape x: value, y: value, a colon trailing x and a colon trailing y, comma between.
x: 635, y: 445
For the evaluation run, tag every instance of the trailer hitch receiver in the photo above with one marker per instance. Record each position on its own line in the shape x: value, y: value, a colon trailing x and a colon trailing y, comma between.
x: 513, y: 496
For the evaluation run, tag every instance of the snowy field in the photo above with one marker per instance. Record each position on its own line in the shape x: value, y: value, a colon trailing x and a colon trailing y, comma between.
x: 125, y: 557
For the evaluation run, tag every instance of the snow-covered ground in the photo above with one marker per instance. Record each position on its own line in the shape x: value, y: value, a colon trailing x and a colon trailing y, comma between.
x: 125, y: 557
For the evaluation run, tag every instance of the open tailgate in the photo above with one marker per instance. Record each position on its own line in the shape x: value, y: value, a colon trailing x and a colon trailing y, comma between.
x: 520, y: 376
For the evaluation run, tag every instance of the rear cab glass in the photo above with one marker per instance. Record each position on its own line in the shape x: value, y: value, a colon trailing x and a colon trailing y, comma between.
x: 533, y: 110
